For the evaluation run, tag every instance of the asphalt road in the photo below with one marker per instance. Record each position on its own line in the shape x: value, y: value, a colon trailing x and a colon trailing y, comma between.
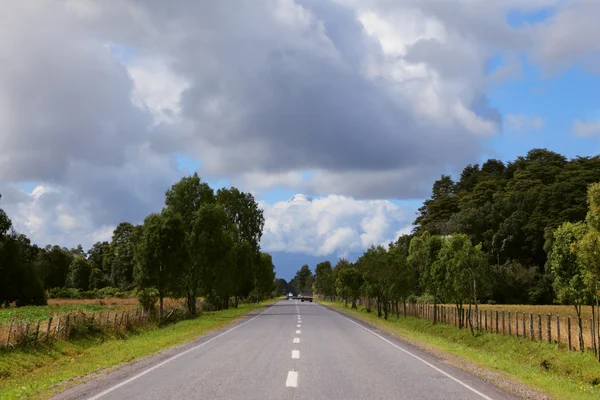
x: 291, y: 350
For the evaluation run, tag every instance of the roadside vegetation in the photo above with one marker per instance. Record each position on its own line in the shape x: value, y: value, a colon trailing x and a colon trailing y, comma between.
x: 201, y: 244
x: 38, y: 373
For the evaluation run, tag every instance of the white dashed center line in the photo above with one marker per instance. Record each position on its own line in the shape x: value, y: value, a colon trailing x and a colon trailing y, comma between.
x: 292, y: 379
x: 295, y: 353
x: 298, y: 326
x: 298, y: 332
x: 296, y: 340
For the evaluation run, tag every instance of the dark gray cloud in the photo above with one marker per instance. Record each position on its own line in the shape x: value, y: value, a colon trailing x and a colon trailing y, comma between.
x: 374, y: 97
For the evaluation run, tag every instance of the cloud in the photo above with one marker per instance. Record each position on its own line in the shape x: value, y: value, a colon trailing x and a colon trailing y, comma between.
x: 51, y: 215
x: 522, y: 122
x: 373, y: 97
x: 332, y: 225
x: 586, y: 129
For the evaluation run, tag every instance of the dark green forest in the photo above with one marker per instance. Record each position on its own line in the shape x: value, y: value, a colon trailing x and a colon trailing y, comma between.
x: 522, y: 232
x: 201, y: 244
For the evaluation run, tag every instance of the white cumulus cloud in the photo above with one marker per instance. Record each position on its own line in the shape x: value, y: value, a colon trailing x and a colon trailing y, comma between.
x: 331, y: 225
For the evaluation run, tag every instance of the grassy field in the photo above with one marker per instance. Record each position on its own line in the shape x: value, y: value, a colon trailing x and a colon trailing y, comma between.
x: 40, y: 373
x: 560, y: 374
x: 57, y: 307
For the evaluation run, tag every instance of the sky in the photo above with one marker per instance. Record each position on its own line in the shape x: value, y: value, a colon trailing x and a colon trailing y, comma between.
x: 337, y: 115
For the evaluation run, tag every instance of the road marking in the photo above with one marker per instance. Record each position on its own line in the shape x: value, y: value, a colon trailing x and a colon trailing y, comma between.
x: 295, y: 353
x: 298, y: 326
x: 472, y: 389
x: 298, y: 332
x: 296, y: 340
x: 133, y: 378
x: 292, y: 379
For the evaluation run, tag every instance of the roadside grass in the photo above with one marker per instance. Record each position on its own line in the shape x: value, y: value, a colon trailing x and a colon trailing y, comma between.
x: 42, y: 372
x: 559, y: 373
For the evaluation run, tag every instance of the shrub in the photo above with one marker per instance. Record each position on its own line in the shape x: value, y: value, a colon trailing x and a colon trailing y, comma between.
x: 65, y: 293
x: 147, y: 298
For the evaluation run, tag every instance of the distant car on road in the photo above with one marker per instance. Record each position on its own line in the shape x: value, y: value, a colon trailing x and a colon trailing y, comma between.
x: 307, y: 297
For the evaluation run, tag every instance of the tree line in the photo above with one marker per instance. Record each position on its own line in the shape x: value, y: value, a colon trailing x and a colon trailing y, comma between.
x: 525, y: 232
x: 201, y: 244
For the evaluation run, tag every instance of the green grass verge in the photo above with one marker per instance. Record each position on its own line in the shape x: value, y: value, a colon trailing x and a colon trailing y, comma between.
x: 566, y: 375
x: 40, y: 373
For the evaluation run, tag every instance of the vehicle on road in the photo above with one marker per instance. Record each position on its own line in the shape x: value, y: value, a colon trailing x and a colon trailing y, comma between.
x: 305, y: 297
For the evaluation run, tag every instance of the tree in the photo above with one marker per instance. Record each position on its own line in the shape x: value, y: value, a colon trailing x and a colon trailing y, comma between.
x: 324, y: 280
x: 20, y: 281
x: 186, y: 198
x: 464, y: 273
x: 423, y: 254
x: 567, y: 269
x: 244, y: 213
x: 160, y: 254
x: 302, y: 280
x: 210, y: 250
x: 5, y: 222
x: 265, y: 276
x: 52, y: 266
x: 348, y: 284
x: 79, y: 273
x: 123, y: 252
x: 374, y: 265
x: 100, y: 267
x: 587, y: 250
x: 403, y: 276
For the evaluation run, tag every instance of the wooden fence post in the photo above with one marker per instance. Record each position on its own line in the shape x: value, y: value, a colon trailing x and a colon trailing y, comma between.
x: 12, y: 320
x: 496, y: 321
x: 503, y: 325
x: 593, y: 341
x: 569, y: 332
x: 57, y: 330
x: 516, y: 324
x: 548, y: 327
x: 557, y: 329
x: 530, y: 326
x: 67, y: 326
x: 540, y: 327
x: 581, y: 340
x: 524, y: 327
x: 37, y: 330
x: 48, y: 329
x: 485, y: 326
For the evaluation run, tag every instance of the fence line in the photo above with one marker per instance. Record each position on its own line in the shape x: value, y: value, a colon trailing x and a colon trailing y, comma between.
x: 21, y: 332
x: 501, y: 322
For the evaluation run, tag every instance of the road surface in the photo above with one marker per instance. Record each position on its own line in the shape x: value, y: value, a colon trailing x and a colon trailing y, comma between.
x: 291, y: 350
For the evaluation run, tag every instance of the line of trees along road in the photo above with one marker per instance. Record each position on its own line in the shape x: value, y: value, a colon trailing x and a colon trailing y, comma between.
x: 524, y: 232
x: 202, y: 244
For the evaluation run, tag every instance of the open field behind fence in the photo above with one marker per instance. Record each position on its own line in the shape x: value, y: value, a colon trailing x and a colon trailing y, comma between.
x: 549, y: 323
x: 65, y: 318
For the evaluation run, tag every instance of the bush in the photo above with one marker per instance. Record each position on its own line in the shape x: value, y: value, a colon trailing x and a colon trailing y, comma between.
x: 147, y: 298
x: 73, y: 293
x: 65, y: 293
